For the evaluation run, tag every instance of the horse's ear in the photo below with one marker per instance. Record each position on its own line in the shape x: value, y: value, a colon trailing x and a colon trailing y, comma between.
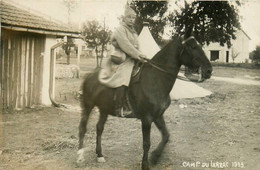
x: 188, y: 32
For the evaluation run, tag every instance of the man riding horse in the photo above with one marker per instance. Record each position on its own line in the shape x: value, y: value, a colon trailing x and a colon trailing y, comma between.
x: 149, y: 96
x: 117, y: 70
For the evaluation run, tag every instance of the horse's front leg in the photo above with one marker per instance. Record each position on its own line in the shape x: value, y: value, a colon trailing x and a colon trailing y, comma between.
x: 160, y: 123
x: 146, y: 130
x: 100, y: 128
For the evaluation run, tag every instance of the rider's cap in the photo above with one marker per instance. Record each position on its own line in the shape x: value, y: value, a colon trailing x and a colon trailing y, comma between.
x: 129, y: 11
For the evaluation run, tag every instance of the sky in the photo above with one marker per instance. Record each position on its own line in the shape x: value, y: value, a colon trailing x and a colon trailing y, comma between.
x: 110, y: 10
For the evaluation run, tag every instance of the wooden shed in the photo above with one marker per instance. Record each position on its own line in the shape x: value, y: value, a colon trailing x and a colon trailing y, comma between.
x: 26, y: 42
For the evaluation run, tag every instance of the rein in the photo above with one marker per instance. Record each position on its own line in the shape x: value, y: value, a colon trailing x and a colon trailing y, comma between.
x: 155, y: 65
x: 165, y: 71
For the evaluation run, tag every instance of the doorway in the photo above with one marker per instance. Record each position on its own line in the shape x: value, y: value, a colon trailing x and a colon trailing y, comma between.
x: 227, y: 56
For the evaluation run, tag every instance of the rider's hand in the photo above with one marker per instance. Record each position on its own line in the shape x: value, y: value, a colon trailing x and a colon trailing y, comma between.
x: 143, y: 58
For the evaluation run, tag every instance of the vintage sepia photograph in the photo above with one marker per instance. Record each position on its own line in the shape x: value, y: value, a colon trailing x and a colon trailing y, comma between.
x: 130, y: 84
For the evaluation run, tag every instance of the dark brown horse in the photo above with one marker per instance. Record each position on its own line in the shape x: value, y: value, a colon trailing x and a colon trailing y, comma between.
x: 149, y: 97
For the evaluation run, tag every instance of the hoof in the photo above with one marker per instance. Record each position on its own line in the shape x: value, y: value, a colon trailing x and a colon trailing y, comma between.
x: 80, y: 154
x: 101, y: 160
x: 145, y: 167
x: 154, y: 158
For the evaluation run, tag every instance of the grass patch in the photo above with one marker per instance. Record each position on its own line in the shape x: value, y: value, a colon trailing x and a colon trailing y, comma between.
x: 241, y: 65
x: 60, y: 144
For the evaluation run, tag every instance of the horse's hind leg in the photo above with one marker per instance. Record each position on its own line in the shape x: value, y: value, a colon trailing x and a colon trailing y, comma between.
x: 83, y: 124
x: 82, y: 130
x: 160, y: 124
x: 100, y: 127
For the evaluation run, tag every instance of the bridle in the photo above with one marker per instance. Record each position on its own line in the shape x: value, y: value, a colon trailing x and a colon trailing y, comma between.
x: 186, y: 40
x: 195, y: 59
x: 156, y: 65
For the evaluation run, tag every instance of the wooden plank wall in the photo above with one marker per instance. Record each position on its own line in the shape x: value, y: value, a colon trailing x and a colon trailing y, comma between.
x: 21, y: 66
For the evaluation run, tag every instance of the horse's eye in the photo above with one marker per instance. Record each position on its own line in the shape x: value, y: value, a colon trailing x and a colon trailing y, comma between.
x: 193, y: 45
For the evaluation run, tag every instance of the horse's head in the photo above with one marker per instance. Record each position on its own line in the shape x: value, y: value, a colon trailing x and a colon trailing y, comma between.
x: 193, y: 56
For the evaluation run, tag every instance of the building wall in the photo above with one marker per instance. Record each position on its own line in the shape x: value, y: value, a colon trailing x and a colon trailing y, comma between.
x: 21, y: 68
x: 216, y: 47
x: 239, y: 48
x: 50, y: 41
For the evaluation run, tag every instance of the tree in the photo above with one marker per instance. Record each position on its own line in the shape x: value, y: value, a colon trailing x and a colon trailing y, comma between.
x: 67, y: 48
x: 213, y: 21
x: 255, y: 55
x: 152, y: 12
x: 234, y: 54
x: 97, y: 38
x: 70, y: 5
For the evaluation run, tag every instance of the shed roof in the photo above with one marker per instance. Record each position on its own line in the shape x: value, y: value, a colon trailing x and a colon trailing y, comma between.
x: 20, y: 19
x: 246, y: 34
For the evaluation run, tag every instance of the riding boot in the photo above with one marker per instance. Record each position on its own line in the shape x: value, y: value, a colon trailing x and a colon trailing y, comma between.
x: 119, y: 98
x: 128, y: 110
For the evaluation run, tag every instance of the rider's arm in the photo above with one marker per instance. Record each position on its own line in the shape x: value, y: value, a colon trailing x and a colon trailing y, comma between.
x: 125, y: 45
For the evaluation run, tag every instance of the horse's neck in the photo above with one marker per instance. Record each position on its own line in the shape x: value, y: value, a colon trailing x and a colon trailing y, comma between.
x: 168, y: 57
x: 168, y: 60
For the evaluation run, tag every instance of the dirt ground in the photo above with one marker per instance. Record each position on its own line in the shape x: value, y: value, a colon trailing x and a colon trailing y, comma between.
x: 221, y: 130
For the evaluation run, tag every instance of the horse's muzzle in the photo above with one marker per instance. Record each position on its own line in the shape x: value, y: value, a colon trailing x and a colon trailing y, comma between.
x: 206, y: 72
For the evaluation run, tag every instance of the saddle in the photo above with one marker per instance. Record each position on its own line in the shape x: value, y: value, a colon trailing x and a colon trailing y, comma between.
x: 136, y: 73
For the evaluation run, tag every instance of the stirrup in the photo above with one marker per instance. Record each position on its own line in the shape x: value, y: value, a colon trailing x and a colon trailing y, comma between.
x: 119, y: 112
x: 129, y: 114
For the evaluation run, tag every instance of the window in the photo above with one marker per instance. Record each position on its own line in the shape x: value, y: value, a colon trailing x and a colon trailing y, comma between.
x: 214, y: 55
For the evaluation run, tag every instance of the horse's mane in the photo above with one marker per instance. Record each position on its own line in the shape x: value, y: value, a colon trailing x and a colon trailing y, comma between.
x: 165, y: 48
